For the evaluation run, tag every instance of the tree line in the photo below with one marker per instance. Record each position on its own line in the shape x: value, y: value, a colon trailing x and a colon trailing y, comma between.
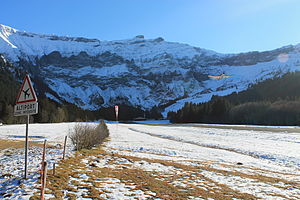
x: 53, y: 112
x: 272, y: 102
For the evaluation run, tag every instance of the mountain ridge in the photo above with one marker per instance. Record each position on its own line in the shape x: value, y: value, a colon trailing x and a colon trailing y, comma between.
x: 91, y: 46
x: 138, y: 72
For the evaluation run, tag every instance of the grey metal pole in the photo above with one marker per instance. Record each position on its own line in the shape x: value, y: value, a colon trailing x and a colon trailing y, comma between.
x: 26, y: 147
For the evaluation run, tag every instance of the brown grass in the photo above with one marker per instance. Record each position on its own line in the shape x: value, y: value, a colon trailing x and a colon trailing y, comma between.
x: 146, y: 181
x: 161, y: 183
x: 165, y: 190
x: 18, y: 144
x: 7, y: 143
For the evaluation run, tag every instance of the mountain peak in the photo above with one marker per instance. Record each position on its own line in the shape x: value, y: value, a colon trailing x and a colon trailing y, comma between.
x: 140, y: 36
x: 7, y: 30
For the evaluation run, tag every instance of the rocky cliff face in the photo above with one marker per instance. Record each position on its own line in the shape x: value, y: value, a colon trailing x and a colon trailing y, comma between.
x: 139, y: 72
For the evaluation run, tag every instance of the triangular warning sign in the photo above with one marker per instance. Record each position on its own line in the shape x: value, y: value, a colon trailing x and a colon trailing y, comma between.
x: 26, y: 93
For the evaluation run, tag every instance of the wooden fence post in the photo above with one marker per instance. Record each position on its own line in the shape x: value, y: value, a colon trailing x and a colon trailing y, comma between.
x: 43, y: 183
x: 43, y: 169
x: 44, y: 152
x: 53, y: 169
x: 65, y: 147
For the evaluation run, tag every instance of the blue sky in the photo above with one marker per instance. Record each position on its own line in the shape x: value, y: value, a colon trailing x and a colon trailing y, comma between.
x: 226, y: 26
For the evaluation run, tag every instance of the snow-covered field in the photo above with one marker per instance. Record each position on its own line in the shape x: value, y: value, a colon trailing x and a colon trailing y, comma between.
x: 261, y: 164
x: 12, y: 184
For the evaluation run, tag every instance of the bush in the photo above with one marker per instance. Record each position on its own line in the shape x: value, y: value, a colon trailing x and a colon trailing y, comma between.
x: 85, y: 136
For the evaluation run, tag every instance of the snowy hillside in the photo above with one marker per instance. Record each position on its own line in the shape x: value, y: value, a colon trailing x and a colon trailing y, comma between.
x: 138, y: 72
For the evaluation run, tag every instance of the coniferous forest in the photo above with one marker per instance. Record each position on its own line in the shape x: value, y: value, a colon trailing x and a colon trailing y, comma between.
x: 272, y: 102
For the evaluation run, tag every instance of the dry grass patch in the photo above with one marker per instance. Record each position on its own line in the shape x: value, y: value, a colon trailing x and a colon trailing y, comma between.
x: 71, y: 196
x: 233, y: 170
x: 147, y: 181
x: 164, y: 188
x: 17, y: 144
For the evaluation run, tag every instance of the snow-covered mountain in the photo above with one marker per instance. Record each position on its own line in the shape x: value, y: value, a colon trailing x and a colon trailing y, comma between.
x: 139, y: 72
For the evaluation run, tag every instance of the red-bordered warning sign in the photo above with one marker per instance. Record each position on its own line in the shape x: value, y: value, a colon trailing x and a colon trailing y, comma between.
x: 26, y: 93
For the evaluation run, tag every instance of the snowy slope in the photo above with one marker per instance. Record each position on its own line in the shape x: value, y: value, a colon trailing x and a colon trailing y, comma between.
x: 242, y: 78
x: 139, y: 72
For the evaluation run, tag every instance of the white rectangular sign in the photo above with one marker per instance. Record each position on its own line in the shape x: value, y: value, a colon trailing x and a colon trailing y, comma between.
x: 30, y: 108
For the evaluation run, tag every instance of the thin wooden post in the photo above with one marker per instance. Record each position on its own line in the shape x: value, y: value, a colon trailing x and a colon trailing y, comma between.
x: 53, y: 169
x: 43, y: 169
x: 65, y: 143
x: 43, y: 183
x: 26, y: 148
x: 44, y: 152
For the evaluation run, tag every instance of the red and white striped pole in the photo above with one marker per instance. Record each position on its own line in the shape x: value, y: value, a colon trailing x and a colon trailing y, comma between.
x: 117, y: 112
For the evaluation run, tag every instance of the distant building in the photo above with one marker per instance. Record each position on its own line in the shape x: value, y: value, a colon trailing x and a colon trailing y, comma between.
x: 139, y: 119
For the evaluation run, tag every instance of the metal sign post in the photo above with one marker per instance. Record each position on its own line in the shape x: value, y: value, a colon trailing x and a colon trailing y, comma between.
x: 26, y: 148
x: 27, y: 105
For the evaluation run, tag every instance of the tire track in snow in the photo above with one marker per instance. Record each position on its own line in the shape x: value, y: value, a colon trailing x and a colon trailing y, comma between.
x: 176, y: 139
x: 247, y: 153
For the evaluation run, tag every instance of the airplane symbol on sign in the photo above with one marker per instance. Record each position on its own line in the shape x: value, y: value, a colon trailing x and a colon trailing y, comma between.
x: 26, y: 93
